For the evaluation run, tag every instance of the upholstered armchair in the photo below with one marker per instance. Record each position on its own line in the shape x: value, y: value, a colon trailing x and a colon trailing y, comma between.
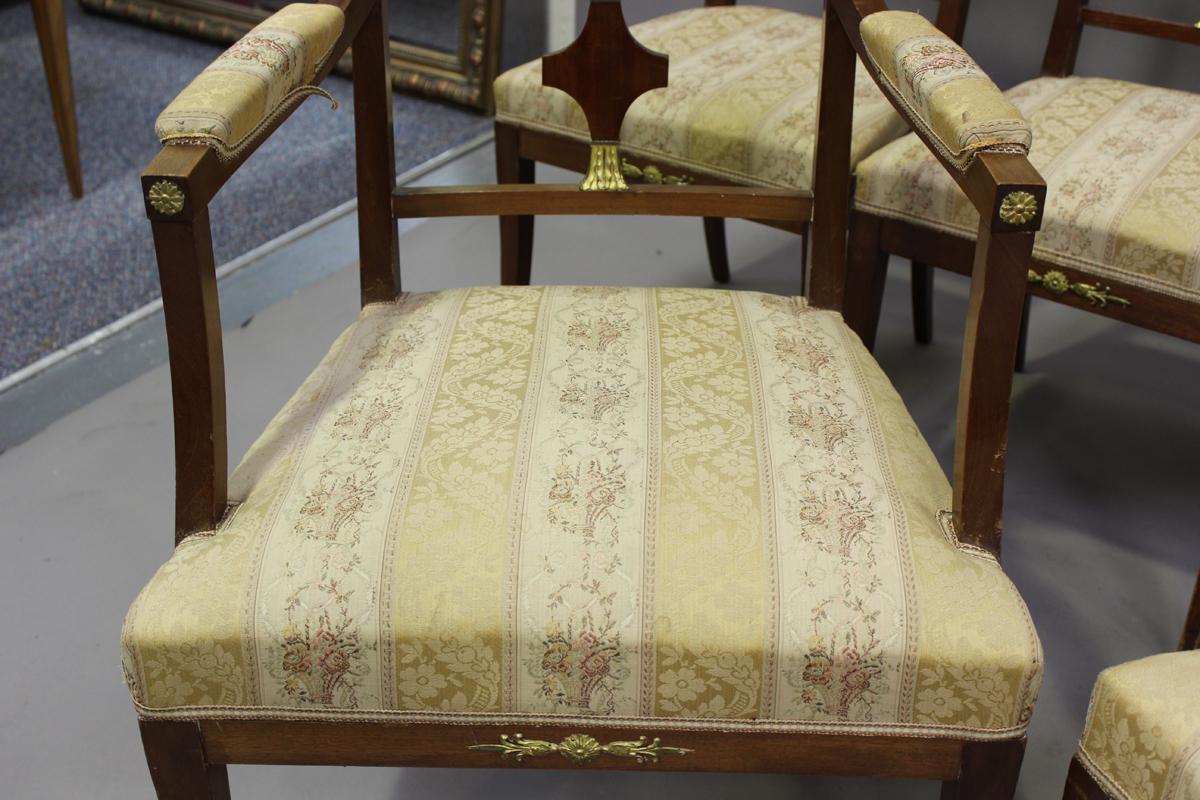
x: 584, y: 527
x: 740, y: 111
x: 1123, y: 219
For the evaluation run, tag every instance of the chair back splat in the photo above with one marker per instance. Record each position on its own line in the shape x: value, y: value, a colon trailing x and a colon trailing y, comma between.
x: 675, y: 529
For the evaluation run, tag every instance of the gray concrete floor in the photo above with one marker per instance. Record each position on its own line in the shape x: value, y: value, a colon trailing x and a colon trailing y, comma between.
x: 1100, y: 514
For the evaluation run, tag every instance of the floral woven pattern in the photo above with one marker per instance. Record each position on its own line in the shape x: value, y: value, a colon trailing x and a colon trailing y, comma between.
x: 944, y: 86
x: 1142, y: 737
x: 707, y: 508
x: 741, y: 103
x: 263, y: 74
x: 1122, y: 168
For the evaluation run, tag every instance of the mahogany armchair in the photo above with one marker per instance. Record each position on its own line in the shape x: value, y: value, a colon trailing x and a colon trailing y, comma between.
x: 741, y: 111
x: 1121, y: 161
x: 585, y: 527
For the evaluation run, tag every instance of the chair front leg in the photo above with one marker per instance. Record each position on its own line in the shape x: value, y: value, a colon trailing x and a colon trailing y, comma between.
x: 866, y: 274
x: 516, y: 232
x: 922, y: 302
x: 987, y: 771
x: 718, y: 252
x: 175, y: 756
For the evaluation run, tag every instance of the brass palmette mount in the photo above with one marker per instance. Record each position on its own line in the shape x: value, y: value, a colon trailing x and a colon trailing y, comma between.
x: 579, y: 748
x: 604, y: 169
x: 1018, y: 208
x: 166, y: 198
x: 654, y: 175
x: 1056, y: 282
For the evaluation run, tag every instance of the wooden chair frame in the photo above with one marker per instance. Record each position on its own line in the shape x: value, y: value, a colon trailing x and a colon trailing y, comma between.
x: 878, y: 237
x: 519, y: 150
x: 187, y: 757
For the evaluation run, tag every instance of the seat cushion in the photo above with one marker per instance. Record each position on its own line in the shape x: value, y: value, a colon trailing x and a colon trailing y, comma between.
x: 701, y: 507
x: 1142, y: 737
x: 1122, y: 168
x: 741, y: 104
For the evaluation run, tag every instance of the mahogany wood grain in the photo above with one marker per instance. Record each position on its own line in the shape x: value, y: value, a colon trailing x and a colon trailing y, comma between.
x: 1063, y: 46
x: 831, y: 159
x: 432, y: 745
x: 374, y: 141
x: 1081, y: 785
x: 187, y: 273
x: 548, y: 198
x: 179, y: 766
x: 985, y: 385
x: 516, y: 231
x: 1146, y: 26
x: 51, y: 24
x: 988, y: 771
x: 866, y: 266
x: 586, y: 70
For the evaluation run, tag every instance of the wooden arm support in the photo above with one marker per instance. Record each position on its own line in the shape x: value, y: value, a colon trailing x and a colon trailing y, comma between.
x: 188, y: 177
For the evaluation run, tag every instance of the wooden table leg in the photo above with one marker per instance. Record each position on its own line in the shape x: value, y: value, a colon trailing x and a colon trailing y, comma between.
x: 51, y: 25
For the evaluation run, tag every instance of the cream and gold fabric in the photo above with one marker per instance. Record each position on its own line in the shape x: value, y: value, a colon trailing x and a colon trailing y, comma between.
x: 741, y: 104
x: 943, y: 86
x: 1142, y: 736
x: 1122, y: 167
x: 591, y: 504
x: 261, y: 76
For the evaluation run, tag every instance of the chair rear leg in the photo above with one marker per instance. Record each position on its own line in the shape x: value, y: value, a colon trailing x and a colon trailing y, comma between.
x: 718, y: 253
x: 1191, y: 627
x: 1081, y: 785
x: 987, y: 771
x: 922, y: 302
x: 516, y: 232
x: 175, y: 755
x: 1023, y: 335
x: 866, y: 274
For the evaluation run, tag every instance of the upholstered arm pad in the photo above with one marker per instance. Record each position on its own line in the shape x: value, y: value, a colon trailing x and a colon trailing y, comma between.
x: 1142, y: 736
x: 960, y: 107
x: 261, y: 76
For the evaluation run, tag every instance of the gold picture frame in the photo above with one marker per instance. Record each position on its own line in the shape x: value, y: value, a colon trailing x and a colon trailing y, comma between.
x: 464, y: 77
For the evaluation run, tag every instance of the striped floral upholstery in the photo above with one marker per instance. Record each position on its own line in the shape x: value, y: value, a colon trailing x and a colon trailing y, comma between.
x: 741, y: 103
x: 1122, y: 165
x: 702, y: 507
x: 1142, y: 737
x: 263, y: 74
x: 962, y: 110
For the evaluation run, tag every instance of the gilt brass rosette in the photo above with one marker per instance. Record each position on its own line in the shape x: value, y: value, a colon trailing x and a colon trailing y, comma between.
x: 604, y: 169
x: 166, y: 198
x: 1056, y: 282
x: 579, y: 748
x: 1018, y: 208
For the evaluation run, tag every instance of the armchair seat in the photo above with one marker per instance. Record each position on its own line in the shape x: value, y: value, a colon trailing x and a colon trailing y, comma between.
x: 1142, y: 737
x: 687, y: 508
x: 1122, y: 166
x: 741, y: 106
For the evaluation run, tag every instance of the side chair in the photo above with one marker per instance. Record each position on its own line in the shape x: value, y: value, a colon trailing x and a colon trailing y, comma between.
x: 1122, y: 228
x: 585, y: 527
x: 740, y: 111
x: 1141, y: 740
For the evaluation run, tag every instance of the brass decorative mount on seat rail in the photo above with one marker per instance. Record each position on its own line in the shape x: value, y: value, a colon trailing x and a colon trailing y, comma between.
x: 579, y: 748
x: 1056, y: 282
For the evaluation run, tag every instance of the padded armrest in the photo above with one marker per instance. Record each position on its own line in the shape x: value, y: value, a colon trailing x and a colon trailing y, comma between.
x: 264, y: 74
x: 959, y: 106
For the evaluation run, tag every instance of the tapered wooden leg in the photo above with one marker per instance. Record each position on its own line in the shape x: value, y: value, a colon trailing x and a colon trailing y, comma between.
x: 516, y: 232
x: 922, y: 302
x: 1023, y: 335
x: 1081, y: 785
x: 718, y: 253
x: 1191, y: 627
x: 866, y: 275
x: 175, y: 755
x: 987, y: 771
x: 52, y: 35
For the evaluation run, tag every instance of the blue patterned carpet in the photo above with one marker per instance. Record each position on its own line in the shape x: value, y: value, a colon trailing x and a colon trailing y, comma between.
x: 69, y: 267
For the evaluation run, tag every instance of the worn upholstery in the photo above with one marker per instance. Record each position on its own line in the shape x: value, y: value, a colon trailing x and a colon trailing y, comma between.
x: 591, y: 504
x: 262, y: 75
x: 963, y: 110
x: 1122, y: 165
x: 741, y: 104
x: 1142, y: 736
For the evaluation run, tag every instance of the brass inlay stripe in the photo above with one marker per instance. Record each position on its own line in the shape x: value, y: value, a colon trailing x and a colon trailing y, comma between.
x: 579, y: 748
